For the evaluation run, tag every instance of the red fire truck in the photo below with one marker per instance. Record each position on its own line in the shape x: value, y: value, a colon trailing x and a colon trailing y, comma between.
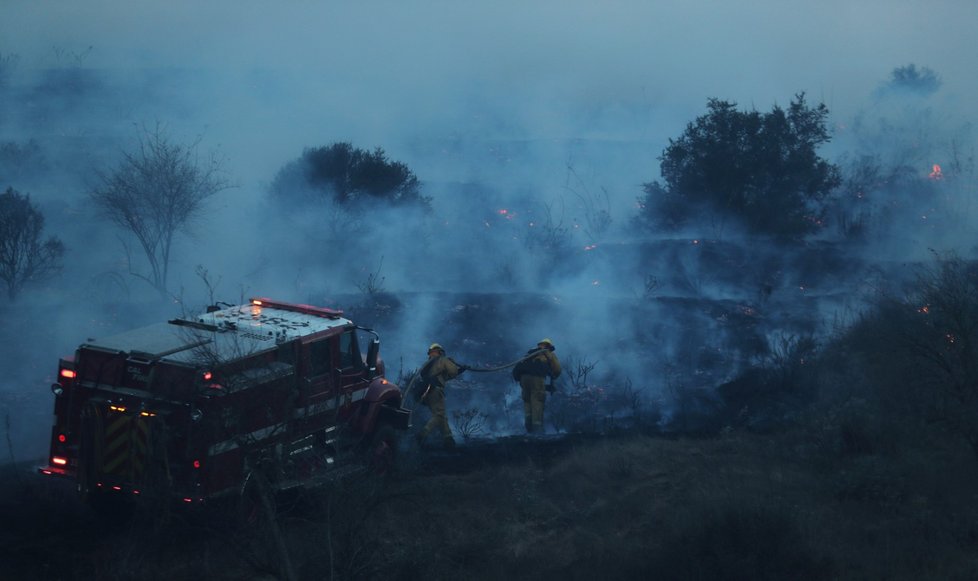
x: 191, y: 409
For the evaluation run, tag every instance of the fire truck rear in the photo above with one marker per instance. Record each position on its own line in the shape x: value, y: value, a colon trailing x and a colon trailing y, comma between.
x: 192, y: 408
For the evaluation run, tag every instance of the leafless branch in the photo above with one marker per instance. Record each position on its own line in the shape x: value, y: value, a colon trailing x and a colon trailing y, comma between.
x: 155, y: 191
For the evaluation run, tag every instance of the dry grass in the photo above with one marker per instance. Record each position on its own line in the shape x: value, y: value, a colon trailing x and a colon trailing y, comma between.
x: 737, y: 506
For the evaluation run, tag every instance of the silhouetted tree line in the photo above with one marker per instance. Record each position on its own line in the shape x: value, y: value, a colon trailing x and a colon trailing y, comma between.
x: 758, y: 170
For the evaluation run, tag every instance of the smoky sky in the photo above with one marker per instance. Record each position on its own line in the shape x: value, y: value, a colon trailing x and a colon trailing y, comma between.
x: 512, y: 114
x: 283, y: 75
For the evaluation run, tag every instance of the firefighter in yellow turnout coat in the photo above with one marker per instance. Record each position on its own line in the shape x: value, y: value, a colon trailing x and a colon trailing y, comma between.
x: 438, y: 370
x: 532, y: 375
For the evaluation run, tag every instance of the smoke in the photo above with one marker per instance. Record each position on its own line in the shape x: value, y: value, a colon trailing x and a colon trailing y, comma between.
x: 532, y: 128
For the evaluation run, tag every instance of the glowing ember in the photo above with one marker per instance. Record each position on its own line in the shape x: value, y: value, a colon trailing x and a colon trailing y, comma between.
x: 503, y: 212
x: 936, y: 173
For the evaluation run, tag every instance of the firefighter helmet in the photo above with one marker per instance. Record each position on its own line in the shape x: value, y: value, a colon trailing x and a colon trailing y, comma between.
x: 435, y: 346
x: 546, y: 342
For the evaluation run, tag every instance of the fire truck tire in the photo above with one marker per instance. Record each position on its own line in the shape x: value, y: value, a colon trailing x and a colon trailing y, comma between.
x: 382, y: 453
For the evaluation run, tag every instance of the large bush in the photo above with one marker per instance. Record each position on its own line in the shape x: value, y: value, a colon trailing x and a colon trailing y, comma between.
x: 348, y: 175
x: 759, y: 169
x: 913, y: 360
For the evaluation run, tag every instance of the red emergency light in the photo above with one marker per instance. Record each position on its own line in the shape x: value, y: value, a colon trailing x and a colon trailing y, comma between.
x: 297, y: 308
x: 69, y: 373
x: 59, y: 460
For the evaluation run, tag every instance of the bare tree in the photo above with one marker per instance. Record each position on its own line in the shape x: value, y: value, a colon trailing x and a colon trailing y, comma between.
x: 596, y: 206
x: 156, y: 190
x: 24, y: 258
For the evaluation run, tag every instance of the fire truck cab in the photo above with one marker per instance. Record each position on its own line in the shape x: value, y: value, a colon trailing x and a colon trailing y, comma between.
x: 191, y: 408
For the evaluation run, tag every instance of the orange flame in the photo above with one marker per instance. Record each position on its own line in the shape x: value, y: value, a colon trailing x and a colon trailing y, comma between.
x: 936, y: 173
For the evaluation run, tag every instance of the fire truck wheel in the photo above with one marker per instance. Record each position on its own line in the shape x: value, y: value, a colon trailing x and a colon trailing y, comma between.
x: 383, y: 450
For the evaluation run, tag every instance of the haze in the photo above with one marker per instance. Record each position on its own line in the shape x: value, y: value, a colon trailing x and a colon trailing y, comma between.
x: 534, y: 103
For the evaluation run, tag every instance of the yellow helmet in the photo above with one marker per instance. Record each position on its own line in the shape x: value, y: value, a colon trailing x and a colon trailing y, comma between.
x: 436, y: 346
x: 546, y: 342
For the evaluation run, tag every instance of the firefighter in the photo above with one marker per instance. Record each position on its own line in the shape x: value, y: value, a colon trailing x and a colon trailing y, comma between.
x: 435, y: 373
x: 532, y: 374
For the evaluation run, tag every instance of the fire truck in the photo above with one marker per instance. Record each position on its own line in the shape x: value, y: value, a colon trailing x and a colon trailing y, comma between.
x: 192, y: 409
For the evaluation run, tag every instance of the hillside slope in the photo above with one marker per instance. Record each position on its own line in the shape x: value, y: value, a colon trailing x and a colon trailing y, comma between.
x: 736, y: 506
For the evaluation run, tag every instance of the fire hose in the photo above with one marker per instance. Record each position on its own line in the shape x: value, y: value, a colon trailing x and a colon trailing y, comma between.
x: 462, y: 368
